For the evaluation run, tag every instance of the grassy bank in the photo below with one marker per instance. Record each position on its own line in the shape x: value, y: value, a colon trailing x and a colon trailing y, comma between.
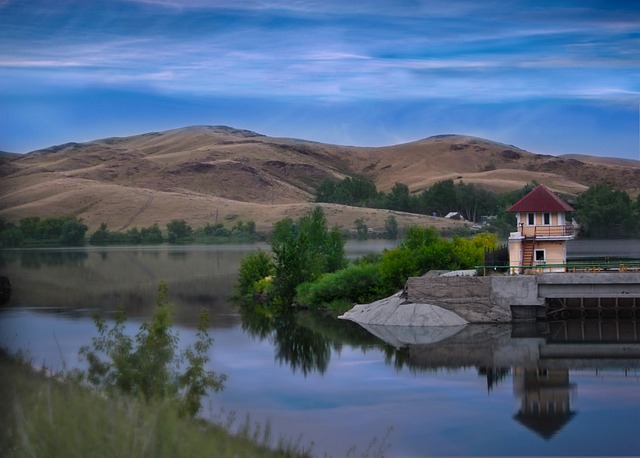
x: 45, y: 417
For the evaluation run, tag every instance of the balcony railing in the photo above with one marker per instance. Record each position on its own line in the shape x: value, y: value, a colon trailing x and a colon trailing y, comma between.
x: 565, y: 230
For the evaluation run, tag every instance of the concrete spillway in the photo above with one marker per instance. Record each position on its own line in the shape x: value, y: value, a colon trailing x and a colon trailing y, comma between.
x: 447, y: 300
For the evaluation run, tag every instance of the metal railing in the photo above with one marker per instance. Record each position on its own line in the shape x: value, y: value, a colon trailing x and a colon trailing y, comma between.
x: 565, y: 230
x: 622, y: 265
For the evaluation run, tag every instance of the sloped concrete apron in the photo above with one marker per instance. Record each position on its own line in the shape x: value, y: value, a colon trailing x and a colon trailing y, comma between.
x: 444, y: 300
x: 396, y: 310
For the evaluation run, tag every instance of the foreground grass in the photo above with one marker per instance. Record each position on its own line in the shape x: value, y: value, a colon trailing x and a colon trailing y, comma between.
x: 44, y: 417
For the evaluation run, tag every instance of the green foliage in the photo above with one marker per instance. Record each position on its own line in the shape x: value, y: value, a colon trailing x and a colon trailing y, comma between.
x: 606, y: 212
x: 46, y: 416
x: 72, y: 233
x: 151, y: 235
x: 178, y: 231
x: 134, y: 236
x: 10, y: 234
x: 468, y: 253
x: 443, y: 197
x: 357, y: 191
x: 147, y: 366
x: 424, y: 250
x: 379, y: 275
x: 362, y: 229
x: 64, y: 230
x: 354, y: 283
x: 254, y: 268
x: 391, y: 228
x: 302, y: 250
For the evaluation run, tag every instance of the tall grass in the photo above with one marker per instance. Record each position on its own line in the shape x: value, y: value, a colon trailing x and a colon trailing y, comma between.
x: 46, y: 417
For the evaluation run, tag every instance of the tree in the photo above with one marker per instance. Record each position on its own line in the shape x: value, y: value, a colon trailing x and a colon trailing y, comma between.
x: 178, y: 231
x: 148, y: 366
x: 440, y: 198
x: 72, y: 232
x: 302, y: 251
x: 605, y: 212
x: 10, y: 234
x: 100, y: 236
x: 253, y: 268
x: 398, y: 198
x: 151, y: 235
x: 391, y: 228
x: 362, y: 229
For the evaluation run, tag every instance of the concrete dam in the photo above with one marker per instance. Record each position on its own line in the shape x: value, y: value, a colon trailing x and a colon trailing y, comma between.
x: 459, y: 298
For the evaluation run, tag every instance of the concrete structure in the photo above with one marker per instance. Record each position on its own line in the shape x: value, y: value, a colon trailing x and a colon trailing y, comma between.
x: 449, y: 300
x: 542, y: 233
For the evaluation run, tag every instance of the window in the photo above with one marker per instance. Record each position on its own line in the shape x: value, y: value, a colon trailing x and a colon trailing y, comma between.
x: 540, y: 255
x: 531, y: 219
x: 546, y: 219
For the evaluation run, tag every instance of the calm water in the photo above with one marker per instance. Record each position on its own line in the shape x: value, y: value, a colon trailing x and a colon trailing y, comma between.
x: 476, y: 390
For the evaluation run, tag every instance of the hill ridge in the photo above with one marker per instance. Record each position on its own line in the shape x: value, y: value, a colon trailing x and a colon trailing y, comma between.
x: 193, y: 172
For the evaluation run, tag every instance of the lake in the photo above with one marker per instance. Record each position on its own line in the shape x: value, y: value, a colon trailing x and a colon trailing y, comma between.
x: 562, y: 388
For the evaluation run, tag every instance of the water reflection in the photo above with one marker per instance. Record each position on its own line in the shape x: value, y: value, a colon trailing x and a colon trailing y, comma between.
x: 538, y: 356
x: 545, y: 399
x: 468, y: 390
x: 304, y: 341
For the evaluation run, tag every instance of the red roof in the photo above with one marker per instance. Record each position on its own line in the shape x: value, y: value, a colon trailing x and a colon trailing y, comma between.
x: 541, y: 200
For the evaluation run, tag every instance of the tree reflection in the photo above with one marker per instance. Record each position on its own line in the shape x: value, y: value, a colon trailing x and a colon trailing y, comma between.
x: 305, y: 341
x: 302, y: 348
x: 37, y: 259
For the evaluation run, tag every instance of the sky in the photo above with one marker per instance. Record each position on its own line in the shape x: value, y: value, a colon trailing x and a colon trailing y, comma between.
x: 552, y: 77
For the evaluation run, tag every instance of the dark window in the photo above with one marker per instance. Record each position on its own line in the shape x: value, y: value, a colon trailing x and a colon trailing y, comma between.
x: 531, y: 219
x: 539, y: 255
x: 546, y: 219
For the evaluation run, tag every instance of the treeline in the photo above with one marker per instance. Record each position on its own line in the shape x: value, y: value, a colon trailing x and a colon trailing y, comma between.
x: 71, y: 231
x: 606, y: 212
x: 307, y: 265
x: 601, y: 211
x: 178, y: 232
x: 445, y: 196
x: 36, y: 231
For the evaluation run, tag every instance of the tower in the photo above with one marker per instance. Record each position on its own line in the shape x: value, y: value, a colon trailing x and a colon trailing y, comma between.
x: 540, y: 242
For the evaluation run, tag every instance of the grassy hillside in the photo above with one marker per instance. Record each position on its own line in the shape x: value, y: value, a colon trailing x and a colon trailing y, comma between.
x: 219, y: 174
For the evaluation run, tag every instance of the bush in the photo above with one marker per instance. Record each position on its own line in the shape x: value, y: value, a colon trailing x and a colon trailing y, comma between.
x: 147, y: 366
x: 355, y: 283
x: 253, y: 268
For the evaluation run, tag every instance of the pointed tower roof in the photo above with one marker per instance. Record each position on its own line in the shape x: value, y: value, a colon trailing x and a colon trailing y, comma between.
x: 541, y: 199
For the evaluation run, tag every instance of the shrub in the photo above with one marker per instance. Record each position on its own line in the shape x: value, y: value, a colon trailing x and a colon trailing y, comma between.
x: 355, y: 283
x: 148, y: 365
x: 253, y: 268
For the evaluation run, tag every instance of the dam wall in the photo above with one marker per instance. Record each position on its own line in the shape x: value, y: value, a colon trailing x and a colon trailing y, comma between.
x: 452, y: 299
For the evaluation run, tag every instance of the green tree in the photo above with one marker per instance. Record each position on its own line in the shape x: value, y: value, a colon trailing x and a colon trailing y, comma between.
x: 302, y: 251
x: 606, y: 212
x: 149, y: 366
x: 391, y: 227
x: 10, y: 234
x: 100, y: 236
x: 441, y: 198
x: 254, y: 267
x: 361, y: 229
x: 72, y: 232
x: 29, y: 227
x: 151, y: 235
x: 178, y: 231
x: 398, y: 198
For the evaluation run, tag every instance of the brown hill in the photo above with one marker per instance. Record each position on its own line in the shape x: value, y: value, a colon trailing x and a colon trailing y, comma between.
x: 220, y: 174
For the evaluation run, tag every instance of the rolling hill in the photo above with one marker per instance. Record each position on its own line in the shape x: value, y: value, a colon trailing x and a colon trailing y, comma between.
x: 208, y: 174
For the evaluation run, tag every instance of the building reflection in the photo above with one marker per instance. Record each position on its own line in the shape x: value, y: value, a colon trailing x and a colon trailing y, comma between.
x: 545, y: 399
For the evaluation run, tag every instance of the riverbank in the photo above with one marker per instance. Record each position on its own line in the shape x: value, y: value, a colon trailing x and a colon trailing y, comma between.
x: 47, y: 417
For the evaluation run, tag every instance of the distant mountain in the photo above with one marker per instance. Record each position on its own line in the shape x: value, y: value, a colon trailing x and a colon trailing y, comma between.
x: 5, y: 156
x: 221, y: 174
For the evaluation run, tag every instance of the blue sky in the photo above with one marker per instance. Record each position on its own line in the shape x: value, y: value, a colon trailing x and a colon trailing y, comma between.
x: 552, y: 77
